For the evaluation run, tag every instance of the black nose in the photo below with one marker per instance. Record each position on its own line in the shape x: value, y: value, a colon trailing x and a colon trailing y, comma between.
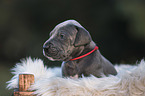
x: 47, y: 46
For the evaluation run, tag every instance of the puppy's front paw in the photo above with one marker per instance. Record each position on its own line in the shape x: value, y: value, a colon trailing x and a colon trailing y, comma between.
x: 75, y: 76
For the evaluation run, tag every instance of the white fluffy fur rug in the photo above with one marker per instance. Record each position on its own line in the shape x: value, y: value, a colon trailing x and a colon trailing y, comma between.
x: 130, y: 81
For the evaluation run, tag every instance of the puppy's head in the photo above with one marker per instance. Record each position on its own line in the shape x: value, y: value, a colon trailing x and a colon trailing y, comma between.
x: 65, y: 39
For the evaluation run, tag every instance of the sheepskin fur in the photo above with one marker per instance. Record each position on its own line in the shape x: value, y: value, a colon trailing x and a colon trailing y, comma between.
x: 130, y: 81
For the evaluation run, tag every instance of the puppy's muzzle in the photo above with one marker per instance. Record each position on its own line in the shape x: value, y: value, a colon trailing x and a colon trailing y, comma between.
x: 50, y: 50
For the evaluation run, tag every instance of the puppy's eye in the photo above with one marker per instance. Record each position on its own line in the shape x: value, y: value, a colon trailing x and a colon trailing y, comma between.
x: 62, y: 36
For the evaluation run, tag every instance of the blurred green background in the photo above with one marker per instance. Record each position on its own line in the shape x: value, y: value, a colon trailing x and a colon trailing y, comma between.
x: 117, y: 26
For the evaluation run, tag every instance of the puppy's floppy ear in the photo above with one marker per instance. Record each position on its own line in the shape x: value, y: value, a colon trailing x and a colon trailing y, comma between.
x: 82, y: 37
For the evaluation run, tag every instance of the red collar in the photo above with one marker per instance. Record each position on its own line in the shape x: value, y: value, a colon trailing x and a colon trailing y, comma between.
x: 96, y: 48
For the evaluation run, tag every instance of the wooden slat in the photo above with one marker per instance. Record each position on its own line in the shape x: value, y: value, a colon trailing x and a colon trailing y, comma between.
x: 25, y: 81
x: 19, y: 93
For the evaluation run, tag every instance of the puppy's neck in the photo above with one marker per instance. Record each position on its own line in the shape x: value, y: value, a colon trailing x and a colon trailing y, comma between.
x: 87, y: 48
x: 81, y: 50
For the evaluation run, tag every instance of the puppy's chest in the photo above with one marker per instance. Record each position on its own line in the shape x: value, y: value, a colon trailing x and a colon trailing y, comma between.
x: 71, y: 68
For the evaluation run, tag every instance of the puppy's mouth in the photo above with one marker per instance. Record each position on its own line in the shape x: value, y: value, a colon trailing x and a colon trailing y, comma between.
x: 54, y: 54
x: 51, y: 51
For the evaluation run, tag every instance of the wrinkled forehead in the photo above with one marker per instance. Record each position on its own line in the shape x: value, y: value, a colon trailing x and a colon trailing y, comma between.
x: 65, y: 25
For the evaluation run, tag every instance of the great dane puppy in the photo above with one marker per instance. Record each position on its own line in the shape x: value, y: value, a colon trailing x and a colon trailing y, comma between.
x: 71, y: 43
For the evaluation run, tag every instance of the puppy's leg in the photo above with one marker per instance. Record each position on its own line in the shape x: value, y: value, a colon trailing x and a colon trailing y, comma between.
x: 75, y: 76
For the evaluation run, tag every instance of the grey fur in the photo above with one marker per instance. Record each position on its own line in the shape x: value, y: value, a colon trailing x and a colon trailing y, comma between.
x: 69, y: 40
